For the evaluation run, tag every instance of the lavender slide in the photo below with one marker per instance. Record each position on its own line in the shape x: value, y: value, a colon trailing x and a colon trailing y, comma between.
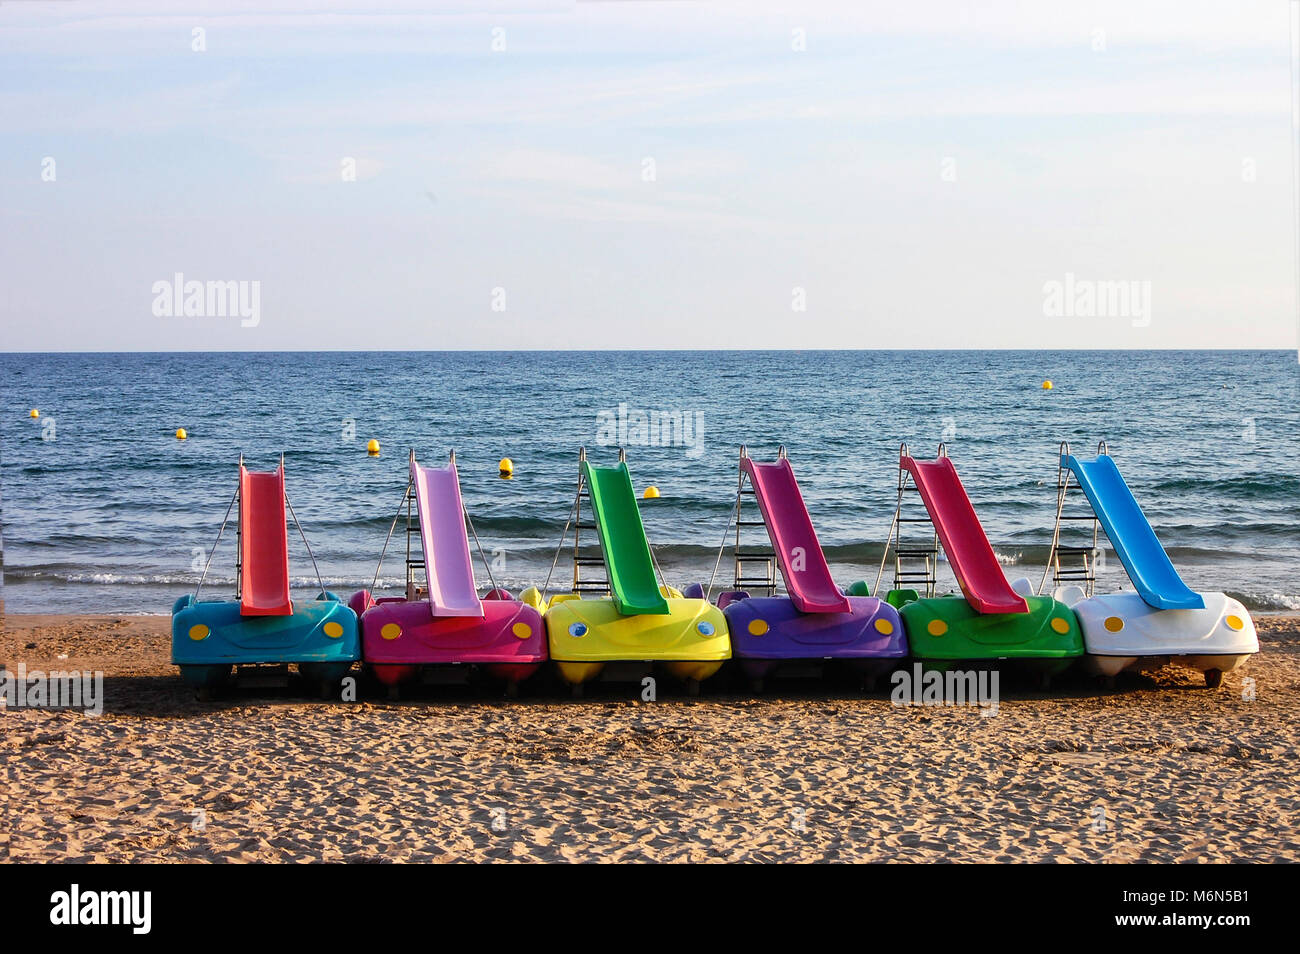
x: 446, y: 547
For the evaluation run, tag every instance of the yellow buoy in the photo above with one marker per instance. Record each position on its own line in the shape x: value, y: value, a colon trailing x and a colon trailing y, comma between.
x: 372, y: 447
x: 1047, y: 385
x: 180, y: 434
x: 651, y: 493
x: 506, y: 468
x: 35, y: 413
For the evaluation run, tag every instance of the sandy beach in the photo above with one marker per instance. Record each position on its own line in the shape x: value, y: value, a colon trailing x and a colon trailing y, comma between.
x: 1176, y: 772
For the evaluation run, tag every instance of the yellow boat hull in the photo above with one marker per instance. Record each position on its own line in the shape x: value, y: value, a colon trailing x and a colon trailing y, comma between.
x: 691, y: 640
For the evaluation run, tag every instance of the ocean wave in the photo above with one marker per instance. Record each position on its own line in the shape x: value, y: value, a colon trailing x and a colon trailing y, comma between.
x: 1247, y: 487
x: 126, y: 579
x: 1268, y: 602
x: 487, y: 525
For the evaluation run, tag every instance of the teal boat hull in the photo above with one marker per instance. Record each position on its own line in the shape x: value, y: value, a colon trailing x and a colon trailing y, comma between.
x: 210, y: 636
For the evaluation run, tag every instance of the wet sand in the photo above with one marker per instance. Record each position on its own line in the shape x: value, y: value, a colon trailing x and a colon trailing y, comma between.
x: 1159, y: 769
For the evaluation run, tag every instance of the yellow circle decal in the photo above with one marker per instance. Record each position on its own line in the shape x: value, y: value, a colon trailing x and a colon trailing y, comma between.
x: 199, y: 631
x: 522, y: 630
x: 1114, y: 624
x: 390, y: 631
x: 884, y: 626
x: 1060, y: 625
x: 757, y: 627
x: 1234, y: 622
x: 936, y: 627
x: 332, y: 629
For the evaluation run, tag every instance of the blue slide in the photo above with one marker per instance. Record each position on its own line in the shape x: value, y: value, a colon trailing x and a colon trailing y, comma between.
x: 1148, y: 566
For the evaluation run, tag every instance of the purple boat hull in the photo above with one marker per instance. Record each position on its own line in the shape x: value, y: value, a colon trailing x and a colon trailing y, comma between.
x: 767, y: 631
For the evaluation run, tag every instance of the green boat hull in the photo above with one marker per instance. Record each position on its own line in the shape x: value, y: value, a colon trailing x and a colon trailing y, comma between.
x: 945, y: 629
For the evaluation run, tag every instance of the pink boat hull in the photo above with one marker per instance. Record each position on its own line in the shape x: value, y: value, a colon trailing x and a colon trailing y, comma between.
x: 509, y: 639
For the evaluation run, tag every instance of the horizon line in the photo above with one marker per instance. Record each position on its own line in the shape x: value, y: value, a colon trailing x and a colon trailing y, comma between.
x: 255, y: 351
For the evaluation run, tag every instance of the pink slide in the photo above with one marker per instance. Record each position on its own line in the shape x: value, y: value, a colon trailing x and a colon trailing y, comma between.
x: 447, y: 559
x: 969, y: 552
x: 263, y: 544
x: 803, y: 565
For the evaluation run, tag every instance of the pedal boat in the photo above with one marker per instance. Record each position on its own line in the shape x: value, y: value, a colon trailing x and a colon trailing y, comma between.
x: 1122, y: 632
x: 210, y: 637
x: 400, y: 637
x: 690, y: 641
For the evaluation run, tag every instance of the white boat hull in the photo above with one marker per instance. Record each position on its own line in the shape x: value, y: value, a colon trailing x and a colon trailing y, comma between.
x: 1120, y: 631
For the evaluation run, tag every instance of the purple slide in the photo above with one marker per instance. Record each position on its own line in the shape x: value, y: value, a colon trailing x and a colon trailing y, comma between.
x: 447, y: 560
x: 816, y: 623
x: 803, y: 565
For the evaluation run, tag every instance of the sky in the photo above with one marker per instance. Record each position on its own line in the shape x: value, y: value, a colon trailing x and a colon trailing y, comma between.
x: 550, y: 174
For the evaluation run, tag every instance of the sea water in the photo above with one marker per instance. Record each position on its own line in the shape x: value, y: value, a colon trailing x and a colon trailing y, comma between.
x: 105, y: 511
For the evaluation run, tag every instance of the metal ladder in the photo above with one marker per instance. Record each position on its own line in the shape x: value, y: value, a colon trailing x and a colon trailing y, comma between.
x: 1081, y: 564
x: 239, y: 531
x: 581, y: 558
x: 915, y: 563
x: 413, y: 530
x: 764, y: 555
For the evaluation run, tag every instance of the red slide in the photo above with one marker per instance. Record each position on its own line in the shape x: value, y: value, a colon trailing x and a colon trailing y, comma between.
x: 969, y: 552
x: 803, y: 565
x: 263, y: 544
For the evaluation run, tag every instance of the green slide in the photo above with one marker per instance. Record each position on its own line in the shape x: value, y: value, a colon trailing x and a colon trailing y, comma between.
x: 622, y: 540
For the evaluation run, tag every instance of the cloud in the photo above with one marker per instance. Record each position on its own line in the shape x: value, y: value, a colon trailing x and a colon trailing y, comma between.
x: 650, y: 26
x: 772, y: 165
